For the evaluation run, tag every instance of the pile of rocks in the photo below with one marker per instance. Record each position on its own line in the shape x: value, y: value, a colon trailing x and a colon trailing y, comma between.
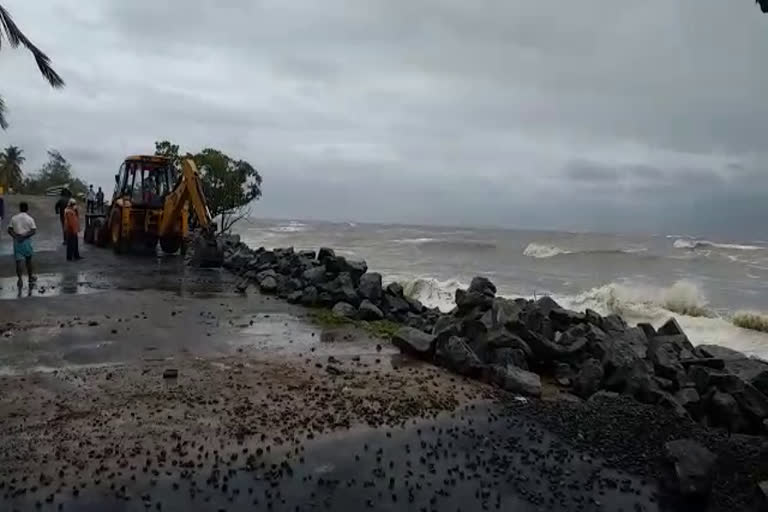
x: 516, y: 343
x: 324, y: 279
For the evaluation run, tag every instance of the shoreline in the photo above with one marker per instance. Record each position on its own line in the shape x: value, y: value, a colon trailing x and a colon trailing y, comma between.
x: 254, y: 371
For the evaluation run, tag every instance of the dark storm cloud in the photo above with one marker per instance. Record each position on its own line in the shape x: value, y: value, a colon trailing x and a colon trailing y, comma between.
x: 434, y: 111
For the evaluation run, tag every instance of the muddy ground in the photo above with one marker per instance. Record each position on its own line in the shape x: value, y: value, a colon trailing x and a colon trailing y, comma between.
x: 268, y: 411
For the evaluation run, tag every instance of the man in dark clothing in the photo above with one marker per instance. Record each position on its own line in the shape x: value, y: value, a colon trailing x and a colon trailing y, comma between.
x: 100, y: 200
x: 61, y: 206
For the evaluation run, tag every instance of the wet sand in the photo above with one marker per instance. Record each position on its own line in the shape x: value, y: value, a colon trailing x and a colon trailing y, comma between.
x: 267, y: 410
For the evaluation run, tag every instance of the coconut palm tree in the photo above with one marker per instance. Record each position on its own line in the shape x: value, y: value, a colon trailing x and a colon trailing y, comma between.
x: 11, y: 174
x: 16, y: 37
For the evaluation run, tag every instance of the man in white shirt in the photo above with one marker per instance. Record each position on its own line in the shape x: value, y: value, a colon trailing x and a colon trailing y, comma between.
x: 90, y: 200
x: 22, y: 228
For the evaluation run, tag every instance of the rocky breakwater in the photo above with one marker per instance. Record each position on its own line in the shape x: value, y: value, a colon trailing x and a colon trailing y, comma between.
x: 521, y: 345
x: 323, y: 279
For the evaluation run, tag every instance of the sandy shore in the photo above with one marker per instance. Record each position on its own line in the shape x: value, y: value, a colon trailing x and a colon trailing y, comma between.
x: 269, y: 409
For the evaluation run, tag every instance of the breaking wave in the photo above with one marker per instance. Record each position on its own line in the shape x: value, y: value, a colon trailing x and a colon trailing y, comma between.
x: 686, y: 243
x: 291, y: 227
x: 751, y: 320
x: 642, y: 301
x: 433, y: 292
x: 543, y: 251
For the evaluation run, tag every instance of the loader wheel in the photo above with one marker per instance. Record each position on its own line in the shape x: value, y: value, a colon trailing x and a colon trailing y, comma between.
x: 170, y: 244
x: 119, y: 243
x: 99, y: 233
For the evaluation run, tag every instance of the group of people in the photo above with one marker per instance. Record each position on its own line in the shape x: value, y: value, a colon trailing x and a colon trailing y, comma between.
x: 22, y: 228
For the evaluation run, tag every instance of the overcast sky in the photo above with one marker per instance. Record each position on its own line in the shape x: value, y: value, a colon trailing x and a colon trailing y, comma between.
x: 596, y: 114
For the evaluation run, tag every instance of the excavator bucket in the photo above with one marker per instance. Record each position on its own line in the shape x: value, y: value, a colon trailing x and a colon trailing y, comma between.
x: 206, y: 251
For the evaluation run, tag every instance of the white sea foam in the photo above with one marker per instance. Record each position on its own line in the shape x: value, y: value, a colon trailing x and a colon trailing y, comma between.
x: 534, y: 250
x: 544, y: 251
x: 433, y: 292
x: 687, y: 243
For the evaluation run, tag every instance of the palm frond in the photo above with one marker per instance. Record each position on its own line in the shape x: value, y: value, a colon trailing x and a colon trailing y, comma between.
x: 16, y: 37
x: 3, y: 122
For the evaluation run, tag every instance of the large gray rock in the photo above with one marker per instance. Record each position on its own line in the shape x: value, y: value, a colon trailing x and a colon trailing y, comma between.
x: 692, y: 468
x: 482, y: 285
x: 268, y: 284
x: 356, y: 268
x: 563, y: 319
x: 515, y: 380
x: 314, y: 275
x: 724, y: 411
x: 344, y: 310
x: 466, y: 300
x: 395, y: 289
x: 505, y: 356
x: 413, y: 341
x: 325, y: 253
x: 370, y: 287
x: 546, y: 304
x: 670, y: 328
x: 369, y: 311
x: 395, y: 304
x: 547, y: 350
x: 446, y: 326
x: 690, y: 399
x: 456, y: 355
x: 504, y: 313
x: 753, y: 403
x: 309, y: 296
x: 589, y: 378
x: 613, y: 324
x: 721, y: 352
x: 502, y: 338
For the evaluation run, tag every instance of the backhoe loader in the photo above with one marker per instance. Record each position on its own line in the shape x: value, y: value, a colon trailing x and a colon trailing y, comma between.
x: 151, y: 204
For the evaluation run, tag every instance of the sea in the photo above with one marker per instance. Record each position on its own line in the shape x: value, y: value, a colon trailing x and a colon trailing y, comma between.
x: 717, y: 289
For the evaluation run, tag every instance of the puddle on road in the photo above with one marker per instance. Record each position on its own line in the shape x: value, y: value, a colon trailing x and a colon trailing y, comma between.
x: 51, y: 285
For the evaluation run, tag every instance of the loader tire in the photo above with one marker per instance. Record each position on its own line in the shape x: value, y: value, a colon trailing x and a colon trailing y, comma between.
x: 170, y: 244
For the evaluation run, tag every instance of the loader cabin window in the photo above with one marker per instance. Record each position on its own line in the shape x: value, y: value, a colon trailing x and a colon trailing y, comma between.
x: 146, y: 183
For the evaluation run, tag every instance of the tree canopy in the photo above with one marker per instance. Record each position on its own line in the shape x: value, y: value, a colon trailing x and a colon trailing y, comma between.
x: 11, y: 175
x: 15, y: 37
x: 230, y: 185
x: 55, y: 172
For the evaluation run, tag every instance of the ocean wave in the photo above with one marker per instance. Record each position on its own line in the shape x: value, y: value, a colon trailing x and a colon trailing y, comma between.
x: 415, y: 241
x: 633, y: 300
x: 544, y: 251
x: 689, y: 244
x: 292, y: 227
x: 433, y: 292
x: 750, y: 320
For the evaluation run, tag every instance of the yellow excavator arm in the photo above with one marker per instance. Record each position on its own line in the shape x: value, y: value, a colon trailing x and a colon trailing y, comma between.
x: 189, y: 189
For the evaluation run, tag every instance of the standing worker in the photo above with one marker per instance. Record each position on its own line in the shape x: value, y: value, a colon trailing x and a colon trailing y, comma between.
x: 90, y: 200
x: 61, y: 205
x: 22, y: 228
x: 72, y: 227
x: 100, y: 200
x: 2, y: 208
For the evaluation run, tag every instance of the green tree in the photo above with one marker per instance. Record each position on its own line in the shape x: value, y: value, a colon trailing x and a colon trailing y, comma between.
x: 55, y: 172
x: 230, y: 186
x: 11, y: 175
x: 11, y: 32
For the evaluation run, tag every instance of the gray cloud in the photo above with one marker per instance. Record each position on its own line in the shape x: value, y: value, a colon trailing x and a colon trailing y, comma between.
x: 588, y: 115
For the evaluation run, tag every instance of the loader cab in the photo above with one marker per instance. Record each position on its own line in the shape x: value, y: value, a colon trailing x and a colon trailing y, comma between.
x: 145, y: 180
